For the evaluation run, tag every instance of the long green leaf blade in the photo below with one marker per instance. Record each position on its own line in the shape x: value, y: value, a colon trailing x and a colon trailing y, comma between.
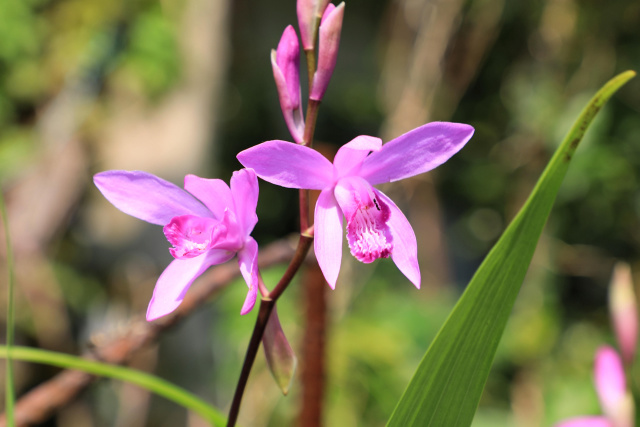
x: 446, y: 388
x: 152, y: 383
x: 9, y: 386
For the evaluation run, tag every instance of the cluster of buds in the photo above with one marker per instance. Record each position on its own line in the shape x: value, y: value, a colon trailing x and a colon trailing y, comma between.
x: 610, y: 366
x: 314, y: 17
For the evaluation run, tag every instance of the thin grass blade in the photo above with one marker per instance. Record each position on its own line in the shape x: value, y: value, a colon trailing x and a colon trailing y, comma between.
x: 150, y: 382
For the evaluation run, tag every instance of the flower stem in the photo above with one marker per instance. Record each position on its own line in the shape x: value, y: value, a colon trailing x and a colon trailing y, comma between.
x: 311, y: 66
x: 306, y: 237
x: 266, y: 306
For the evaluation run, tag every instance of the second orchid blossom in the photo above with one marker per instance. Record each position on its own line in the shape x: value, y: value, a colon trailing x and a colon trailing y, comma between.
x: 205, y: 231
x: 376, y: 228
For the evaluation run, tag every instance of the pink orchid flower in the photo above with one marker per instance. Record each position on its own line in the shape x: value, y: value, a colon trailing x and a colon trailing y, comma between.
x: 616, y: 403
x: 205, y: 230
x: 376, y: 228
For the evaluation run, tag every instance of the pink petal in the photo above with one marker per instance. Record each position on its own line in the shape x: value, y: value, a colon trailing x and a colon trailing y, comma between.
x: 415, y: 152
x: 328, y: 236
x: 585, y: 422
x: 176, y: 279
x: 288, y: 165
x: 244, y: 189
x: 350, y: 156
x: 147, y: 197
x: 214, y: 193
x: 405, y: 245
x: 248, y: 262
x: 609, y: 378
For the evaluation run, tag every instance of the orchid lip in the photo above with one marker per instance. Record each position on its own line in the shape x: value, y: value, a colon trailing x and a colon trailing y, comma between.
x: 191, y: 235
x: 368, y: 234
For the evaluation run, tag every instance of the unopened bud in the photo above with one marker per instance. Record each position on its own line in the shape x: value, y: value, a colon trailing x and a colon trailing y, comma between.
x: 330, y: 30
x: 624, y: 311
x: 280, y: 357
x: 285, y: 62
x: 309, y: 11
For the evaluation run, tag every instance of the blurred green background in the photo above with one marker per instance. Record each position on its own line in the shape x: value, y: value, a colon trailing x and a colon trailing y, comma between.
x: 180, y: 86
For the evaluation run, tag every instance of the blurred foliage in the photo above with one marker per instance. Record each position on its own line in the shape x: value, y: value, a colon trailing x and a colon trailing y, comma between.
x: 547, y: 58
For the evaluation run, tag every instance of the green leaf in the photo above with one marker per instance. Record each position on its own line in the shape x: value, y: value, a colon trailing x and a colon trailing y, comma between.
x: 152, y: 383
x: 446, y: 388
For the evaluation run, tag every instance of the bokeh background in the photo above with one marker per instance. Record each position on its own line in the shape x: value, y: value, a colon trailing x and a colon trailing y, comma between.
x: 180, y: 86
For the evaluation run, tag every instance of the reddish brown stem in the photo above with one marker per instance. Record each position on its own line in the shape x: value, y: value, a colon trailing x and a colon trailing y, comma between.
x: 313, y: 348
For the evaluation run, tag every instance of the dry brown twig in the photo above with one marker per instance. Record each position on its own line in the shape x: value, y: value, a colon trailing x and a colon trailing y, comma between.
x: 42, y: 402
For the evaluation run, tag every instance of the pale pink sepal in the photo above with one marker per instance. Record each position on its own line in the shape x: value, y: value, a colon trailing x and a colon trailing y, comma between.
x: 309, y: 11
x: 594, y: 421
x: 285, y: 62
x: 288, y: 165
x: 147, y: 197
x: 624, y: 311
x: 330, y: 30
x: 415, y: 152
x: 281, y: 359
x: 177, y: 278
x: 328, y: 236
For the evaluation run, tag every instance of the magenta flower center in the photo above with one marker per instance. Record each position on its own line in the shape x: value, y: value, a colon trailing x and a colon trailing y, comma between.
x: 191, y: 235
x: 368, y: 234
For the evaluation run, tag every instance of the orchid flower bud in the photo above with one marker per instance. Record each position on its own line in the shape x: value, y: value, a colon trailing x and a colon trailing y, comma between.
x: 624, y: 311
x: 308, y: 12
x: 280, y: 357
x: 611, y: 387
x: 285, y: 62
x: 330, y: 29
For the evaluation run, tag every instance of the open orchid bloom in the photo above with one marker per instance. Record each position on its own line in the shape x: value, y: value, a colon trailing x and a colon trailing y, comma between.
x: 376, y: 228
x: 205, y: 230
x: 615, y: 401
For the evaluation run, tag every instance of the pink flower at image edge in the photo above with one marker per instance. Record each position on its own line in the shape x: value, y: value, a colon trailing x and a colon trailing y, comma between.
x: 205, y: 230
x: 376, y: 227
x: 611, y: 388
